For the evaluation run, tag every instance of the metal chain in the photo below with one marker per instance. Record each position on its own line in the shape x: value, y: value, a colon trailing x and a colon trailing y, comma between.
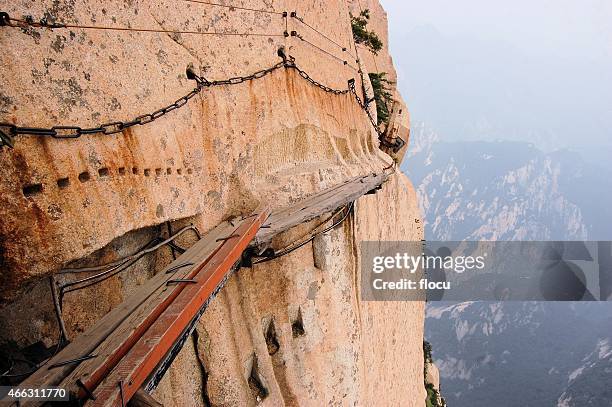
x: 8, y: 130
x: 290, y: 63
x: 363, y: 106
x: 241, y: 79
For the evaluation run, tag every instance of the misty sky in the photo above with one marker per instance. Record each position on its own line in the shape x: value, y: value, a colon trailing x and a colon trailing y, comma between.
x: 538, y: 70
x: 574, y: 27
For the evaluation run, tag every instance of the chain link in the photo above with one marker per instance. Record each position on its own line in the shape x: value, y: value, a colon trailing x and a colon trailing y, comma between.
x: 363, y: 106
x: 290, y: 63
x: 8, y: 131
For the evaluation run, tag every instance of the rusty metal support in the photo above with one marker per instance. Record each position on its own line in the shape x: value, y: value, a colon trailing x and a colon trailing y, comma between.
x: 181, y: 280
x: 221, y: 239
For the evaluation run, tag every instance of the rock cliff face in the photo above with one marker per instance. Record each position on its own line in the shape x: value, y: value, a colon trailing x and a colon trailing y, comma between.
x: 275, y: 139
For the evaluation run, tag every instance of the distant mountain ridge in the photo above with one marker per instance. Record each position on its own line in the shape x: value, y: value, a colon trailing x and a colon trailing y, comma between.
x: 589, y: 384
x: 514, y: 353
x: 505, y: 191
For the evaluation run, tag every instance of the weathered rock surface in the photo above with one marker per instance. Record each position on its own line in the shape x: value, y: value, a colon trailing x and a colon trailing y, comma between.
x: 347, y: 352
x: 275, y: 139
x: 432, y: 376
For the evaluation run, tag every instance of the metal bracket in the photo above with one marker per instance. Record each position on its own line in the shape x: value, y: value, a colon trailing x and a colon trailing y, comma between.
x: 177, y: 267
x: 281, y: 51
x: 223, y: 239
x: 374, y: 190
x: 5, y: 132
x: 76, y: 360
x: 181, y: 280
x: 176, y: 247
x: 5, y: 19
x: 120, y: 384
x: 191, y: 75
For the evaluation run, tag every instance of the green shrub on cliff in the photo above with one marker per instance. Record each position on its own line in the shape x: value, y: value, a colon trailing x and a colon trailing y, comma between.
x: 362, y: 35
x: 432, y: 397
x: 427, y: 352
x: 382, y: 95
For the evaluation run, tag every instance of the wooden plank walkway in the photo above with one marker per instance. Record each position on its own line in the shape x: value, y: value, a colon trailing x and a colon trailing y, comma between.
x: 109, y: 363
x: 151, y: 348
x: 316, y: 205
x: 104, y: 344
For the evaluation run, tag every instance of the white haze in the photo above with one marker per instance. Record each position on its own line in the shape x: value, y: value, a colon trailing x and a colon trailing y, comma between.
x: 538, y: 71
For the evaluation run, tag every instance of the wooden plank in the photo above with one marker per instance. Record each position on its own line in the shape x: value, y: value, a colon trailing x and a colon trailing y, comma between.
x: 153, y: 298
x: 335, y: 193
x: 110, y: 351
x: 86, y: 343
x: 142, y: 359
x: 281, y: 212
x: 316, y: 205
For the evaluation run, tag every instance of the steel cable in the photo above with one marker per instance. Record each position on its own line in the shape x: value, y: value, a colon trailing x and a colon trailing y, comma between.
x: 116, y: 266
x: 301, y: 20
x: 124, y: 259
x: 9, y: 130
x: 344, y: 62
x: 313, y: 235
x: 234, y: 7
x: 17, y: 22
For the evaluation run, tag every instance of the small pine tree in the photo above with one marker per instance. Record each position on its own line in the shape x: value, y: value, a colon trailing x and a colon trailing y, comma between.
x: 433, y: 395
x: 382, y: 95
x: 362, y: 35
x: 427, y: 352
